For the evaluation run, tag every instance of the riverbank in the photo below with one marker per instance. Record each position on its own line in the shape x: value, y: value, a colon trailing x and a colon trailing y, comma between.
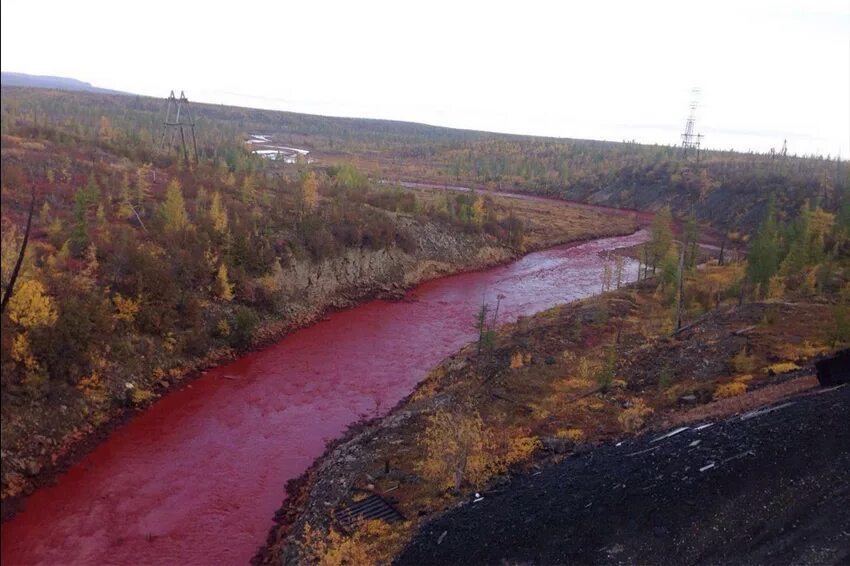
x: 556, y: 384
x: 233, y: 392
x: 35, y: 453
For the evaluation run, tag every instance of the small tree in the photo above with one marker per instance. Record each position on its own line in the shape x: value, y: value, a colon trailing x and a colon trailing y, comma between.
x: 690, y: 244
x: 248, y: 189
x: 661, y: 236
x: 143, y: 184
x: 606, y: 275
x: 309, y: 193
x: 223, y: 287
x: 763, y: 259
x: 125, y: 207
x: 485, y: 333
x: 459, y: 448
x: 173, y: 210
x: 618, y: 270
x: 218, y: 213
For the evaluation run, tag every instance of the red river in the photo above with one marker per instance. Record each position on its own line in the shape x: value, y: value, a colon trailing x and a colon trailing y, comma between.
x: 196, y: 478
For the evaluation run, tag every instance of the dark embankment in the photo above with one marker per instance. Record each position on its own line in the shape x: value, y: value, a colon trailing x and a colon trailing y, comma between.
x: 767, y: 488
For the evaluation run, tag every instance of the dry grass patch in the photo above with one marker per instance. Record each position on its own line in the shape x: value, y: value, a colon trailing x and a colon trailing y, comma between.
x: 729, y: 406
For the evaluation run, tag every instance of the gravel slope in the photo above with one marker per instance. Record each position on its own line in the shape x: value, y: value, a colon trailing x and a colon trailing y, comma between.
x: 769, y: 488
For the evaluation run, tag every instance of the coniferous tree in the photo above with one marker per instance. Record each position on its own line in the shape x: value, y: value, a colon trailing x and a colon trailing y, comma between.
x: 763, y: 259
x: 309, y: 192
x: 218, y: 213
x: 661, y: 236
x: 173, y: 210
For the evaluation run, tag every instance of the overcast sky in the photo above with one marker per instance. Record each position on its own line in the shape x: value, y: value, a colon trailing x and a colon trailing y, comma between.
x: 768, y: 70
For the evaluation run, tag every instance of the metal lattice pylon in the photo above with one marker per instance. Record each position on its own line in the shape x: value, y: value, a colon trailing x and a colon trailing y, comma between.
x: 178, y: 118
x: 691, y: 140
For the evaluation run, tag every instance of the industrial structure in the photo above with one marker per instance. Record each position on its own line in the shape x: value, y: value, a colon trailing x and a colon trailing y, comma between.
x: 690, y: 139
x: 178, y: 118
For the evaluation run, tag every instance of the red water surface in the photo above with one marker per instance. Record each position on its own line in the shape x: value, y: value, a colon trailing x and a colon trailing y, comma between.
x: 197, y: 477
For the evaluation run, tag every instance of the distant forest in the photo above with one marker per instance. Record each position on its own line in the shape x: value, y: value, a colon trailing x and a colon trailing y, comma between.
x: 627, y: 175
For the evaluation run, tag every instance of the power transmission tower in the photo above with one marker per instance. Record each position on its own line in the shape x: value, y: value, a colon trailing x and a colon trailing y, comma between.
x: 691, y: 140
x: 174, y: 122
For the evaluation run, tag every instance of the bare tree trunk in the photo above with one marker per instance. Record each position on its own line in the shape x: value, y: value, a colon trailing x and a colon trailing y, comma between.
x: 10, y: 288
x: 681, y: 291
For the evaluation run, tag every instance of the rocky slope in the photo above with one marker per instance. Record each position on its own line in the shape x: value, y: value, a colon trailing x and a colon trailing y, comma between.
x: 766, y: 487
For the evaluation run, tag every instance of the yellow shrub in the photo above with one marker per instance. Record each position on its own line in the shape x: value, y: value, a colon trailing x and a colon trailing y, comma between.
x: 169, y: 342
x: 126, y: 308
x: 586, y: 369
x: 374, y: 542
x: 22, y: 353
x: 732, y: 389
x: 223, y: 328
x: 806, y: 349
x: 783, y: 367
x: 635, y: 417
x: 458, y: 449
x: 92, y: 387
x: 141, y: 396
x: 572, y: 434
x: 516, y: 360
x: 776, y: 287
x: 31, y: 306
x: 744, y: 363
x: 521, y: 449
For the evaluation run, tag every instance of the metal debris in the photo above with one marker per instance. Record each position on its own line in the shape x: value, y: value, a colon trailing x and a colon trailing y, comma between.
x: 643, y: 451
x: 760, y: 412
x: 373, y: 507
x: 672, y: 433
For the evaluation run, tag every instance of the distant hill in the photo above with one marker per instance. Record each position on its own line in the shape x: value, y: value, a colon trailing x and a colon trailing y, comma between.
x: 61, y: 83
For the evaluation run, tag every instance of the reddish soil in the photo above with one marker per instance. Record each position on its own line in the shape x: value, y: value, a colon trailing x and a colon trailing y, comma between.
x: 196, y: 478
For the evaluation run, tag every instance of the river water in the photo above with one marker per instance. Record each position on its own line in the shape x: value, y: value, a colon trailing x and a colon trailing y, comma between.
x: 196, y: 478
